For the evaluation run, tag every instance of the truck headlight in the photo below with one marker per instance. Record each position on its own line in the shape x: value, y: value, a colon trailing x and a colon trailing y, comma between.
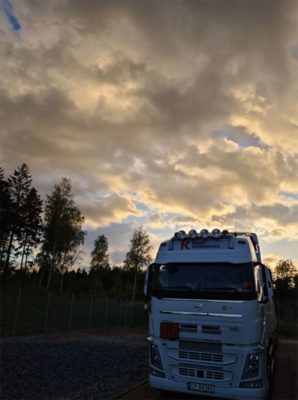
x: 157, y: 373
x: 155, y: 356
x: 251, y: 367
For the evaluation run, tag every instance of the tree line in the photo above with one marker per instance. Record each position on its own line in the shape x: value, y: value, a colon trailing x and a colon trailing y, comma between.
x: 40, y: 242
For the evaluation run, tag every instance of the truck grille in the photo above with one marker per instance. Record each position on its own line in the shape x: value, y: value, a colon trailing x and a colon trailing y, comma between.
x: 187, y: 371
x: 215, y: 375
x: 198, y: 356
x: 208, y: 374
x: 211, y: 329
x: 188, y: 328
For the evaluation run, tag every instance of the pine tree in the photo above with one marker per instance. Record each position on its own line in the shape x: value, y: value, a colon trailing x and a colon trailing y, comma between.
x: 21, y: 209
x: 5, y: 216
x: 63, y: 232
x: 19, y: 185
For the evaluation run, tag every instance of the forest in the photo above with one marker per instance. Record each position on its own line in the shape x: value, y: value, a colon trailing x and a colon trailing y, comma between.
x: 41, y: 243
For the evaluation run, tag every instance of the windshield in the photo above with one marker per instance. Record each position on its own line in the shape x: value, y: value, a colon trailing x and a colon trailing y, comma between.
x: 212, y: 280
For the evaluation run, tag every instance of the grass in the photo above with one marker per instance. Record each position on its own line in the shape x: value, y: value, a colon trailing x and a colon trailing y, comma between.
x: 72, y: 313
x: 287, y: 312
x: 41, y: 312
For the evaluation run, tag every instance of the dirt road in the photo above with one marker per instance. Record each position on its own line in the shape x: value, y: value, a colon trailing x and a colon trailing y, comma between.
x: 284, y: 388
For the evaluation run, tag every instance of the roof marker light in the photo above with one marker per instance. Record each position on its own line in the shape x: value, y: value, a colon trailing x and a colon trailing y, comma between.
x: 192, y: 234
x: 181, y: 235
x: 204, y: 233
x: 216, y: 233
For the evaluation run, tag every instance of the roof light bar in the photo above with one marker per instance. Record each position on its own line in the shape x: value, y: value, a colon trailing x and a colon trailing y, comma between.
x: 192, y: 234
x: 204, y: 233
x: 216, y: 233
x: 181, y: 235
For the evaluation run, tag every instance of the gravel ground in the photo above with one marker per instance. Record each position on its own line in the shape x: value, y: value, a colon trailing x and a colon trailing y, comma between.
x: 83, y: 367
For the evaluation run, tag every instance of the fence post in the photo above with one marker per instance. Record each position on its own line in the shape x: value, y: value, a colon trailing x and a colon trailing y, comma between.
x: 133, y: 312
x: 17, y: 312
x: 90, y: 311
x: 125, y: 314
x: 119, y: 314
x: 70, y: 312
x: 45, y: 326
x: 106, y: 312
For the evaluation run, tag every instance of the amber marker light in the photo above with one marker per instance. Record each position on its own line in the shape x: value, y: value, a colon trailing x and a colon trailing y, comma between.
x: 169, y: 330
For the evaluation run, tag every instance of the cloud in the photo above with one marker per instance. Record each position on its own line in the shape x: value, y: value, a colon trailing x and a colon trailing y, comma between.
x: 112, y: 207
x: 118, y: 235
x: 186, y: 109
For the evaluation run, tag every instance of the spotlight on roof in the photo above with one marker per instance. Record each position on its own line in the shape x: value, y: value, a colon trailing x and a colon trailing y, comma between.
x: 204, y: 233
x: 216, y: 233
x: 181, y: 235
x: 192, y: 234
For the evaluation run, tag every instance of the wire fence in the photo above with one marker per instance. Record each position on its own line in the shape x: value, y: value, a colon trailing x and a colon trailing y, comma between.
x: 26, y: 312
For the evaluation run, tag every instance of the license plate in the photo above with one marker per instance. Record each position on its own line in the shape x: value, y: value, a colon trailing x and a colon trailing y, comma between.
x: 200, y: 387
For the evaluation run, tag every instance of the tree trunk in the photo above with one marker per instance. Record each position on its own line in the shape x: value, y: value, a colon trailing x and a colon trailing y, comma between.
x: 25, y: 254
x: 26, y: 258
x: 41, y: 278
x: 134, y: 287
x: 61, y: 283
x: 52, y: 263
x: 6, y: 265
x: 2, y: 245
x: 50, y: 272
x: 22, y: 259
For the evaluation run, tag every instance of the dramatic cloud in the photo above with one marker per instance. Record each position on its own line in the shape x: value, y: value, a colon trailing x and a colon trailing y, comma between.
x: 163, y: 114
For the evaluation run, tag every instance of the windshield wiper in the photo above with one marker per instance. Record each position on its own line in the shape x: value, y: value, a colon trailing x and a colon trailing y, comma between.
x: 225, y: 289
x: 177, y: 288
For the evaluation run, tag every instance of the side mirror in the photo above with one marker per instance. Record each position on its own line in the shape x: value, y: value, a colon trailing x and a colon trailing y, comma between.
x: 265, y: 295
x: 148, y: 281
x: 269, y: 283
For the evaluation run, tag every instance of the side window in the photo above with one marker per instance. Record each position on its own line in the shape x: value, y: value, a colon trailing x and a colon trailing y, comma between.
x: 269, y: 282
x: 265, y: 280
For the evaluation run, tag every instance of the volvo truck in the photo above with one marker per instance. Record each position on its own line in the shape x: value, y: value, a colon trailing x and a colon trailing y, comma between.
x: 212, y: 322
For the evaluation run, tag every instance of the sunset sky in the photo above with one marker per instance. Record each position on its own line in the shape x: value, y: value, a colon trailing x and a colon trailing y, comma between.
x: 166, y: 114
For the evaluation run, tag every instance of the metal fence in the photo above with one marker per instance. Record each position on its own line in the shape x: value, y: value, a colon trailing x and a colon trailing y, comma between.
x: 29, y: 311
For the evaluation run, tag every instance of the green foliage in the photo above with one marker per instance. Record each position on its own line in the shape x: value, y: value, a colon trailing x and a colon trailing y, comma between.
x: 21, y: 216
x: 59, y: 240
x: 63, y: 233
x: 99, y: 256
x: 138, y: 255
x: 286, y: 296
x: 287, y: 312
x: 5, y: 213
x: 285, y: 270
x: 40, y: 311
x: 63, y: 221
x: 285, y: 280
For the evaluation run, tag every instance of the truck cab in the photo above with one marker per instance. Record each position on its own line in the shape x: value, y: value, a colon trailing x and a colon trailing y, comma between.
x: 212, y: 322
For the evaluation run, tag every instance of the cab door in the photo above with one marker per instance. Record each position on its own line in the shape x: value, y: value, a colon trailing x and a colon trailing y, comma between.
x: 271, y: 314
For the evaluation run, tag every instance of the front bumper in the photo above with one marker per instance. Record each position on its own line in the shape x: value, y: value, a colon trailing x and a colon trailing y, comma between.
x: 226, y: 393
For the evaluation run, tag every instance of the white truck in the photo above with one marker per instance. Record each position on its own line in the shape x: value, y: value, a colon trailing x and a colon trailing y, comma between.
x: 212, y: 322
